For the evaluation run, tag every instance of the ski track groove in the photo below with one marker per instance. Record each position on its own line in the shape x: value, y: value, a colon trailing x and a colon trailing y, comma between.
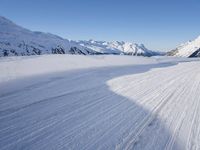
x: 146, y: 124
x: 178, y: 97
x: 173, y: 100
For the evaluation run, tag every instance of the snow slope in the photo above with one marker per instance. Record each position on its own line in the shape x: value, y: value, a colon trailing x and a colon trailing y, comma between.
x: 137, y: 103
x: 188, y: 49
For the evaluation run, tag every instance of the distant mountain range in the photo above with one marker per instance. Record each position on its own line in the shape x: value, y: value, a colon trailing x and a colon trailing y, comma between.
x: 18, y: 41
x: 188, y: 49
x: 117, y: 47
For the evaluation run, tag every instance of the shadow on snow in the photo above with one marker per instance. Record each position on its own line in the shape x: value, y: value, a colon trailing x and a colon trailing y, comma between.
x: 77, y: 110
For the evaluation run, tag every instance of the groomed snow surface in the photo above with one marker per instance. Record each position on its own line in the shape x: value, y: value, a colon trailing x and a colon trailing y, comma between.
x: 99, y: 102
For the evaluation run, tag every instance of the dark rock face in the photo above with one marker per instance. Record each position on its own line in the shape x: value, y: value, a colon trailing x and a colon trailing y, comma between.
x: 5, y: 53
x: 196, y: 53
x: 188, y: 49
x: 75, y: 50
x: 58, y: 50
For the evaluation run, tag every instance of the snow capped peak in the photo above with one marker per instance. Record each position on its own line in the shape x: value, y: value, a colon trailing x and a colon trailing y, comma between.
x: 117, y: 47
x: 92, y: 41
x: 118, y: 42
x: 188, y: 49
x: 16, y: 40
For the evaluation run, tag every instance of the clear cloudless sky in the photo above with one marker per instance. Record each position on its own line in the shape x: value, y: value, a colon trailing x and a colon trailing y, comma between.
x: 159, y: 24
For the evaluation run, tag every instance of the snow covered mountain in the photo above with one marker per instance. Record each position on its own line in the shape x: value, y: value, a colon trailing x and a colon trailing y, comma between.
x: 117, y: 47
x: 16, y: 40
x: 188, y: 49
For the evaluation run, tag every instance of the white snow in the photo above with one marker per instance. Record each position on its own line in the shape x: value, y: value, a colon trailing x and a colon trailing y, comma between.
x: 23, y: 66
x: 117, y: 47
x: 99, y: 102
x: 188, y: 48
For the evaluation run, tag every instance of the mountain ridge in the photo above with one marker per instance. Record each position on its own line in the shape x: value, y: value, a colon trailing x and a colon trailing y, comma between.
x: 188, y: 49
x: 16, y: 40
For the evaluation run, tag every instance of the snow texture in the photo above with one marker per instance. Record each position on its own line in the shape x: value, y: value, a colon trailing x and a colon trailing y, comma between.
x: 99, y: 102
x: 188, y: 49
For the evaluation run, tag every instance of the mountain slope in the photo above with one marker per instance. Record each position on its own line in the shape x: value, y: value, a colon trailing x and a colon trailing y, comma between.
x: 188, y: 49
x: 117, y: 47
x: 16, y: 40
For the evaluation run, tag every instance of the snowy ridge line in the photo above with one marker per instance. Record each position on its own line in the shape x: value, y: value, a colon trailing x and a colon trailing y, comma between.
x: 18, y: 41
x: 188, y: 49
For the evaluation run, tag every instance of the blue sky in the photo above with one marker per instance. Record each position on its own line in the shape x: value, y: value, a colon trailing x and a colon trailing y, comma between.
x: 159, y: 24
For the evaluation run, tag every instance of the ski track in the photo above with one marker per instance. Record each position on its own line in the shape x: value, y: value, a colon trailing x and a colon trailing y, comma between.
x: 157, y: 108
